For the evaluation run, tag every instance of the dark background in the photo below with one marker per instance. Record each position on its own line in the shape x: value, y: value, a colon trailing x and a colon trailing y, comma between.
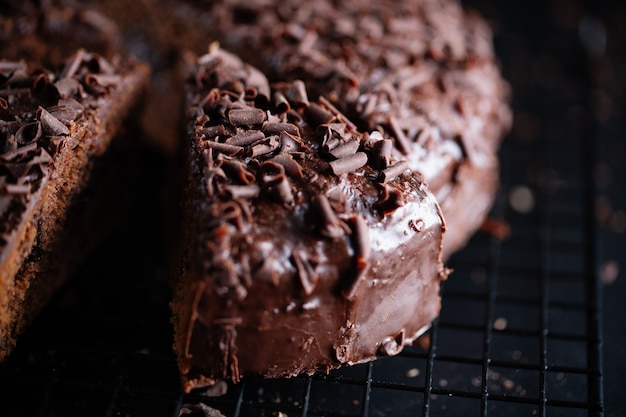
x: 103, y: 347
x: 559, y: 48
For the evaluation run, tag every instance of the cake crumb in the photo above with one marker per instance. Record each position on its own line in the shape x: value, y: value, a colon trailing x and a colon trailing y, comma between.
x: 609, y: 272
x: 500, y: 323
x: 521, y: 199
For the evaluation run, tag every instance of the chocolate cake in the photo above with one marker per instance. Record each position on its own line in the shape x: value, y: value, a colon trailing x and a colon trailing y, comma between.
x: 308, y: 244
x: 56, y: 124
x: 325, y: 144
x: 422, y: 72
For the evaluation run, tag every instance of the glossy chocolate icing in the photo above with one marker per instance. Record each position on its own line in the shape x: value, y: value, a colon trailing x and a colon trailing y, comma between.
x: 307, y: 243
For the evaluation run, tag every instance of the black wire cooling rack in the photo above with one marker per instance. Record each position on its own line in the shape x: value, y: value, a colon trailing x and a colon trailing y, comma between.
x: 520, y: 328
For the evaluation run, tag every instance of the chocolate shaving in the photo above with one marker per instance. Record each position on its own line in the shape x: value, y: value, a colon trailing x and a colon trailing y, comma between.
x: 102, y: 80
x: 296, y: 93
x: 402, y: 142
x: 340, y: 116
x: 290, y: 143
x: 211, y: 132
x: 69, y: 87
x: 292, y: 168
x: 28, y: 133
x: 3, y: 104
x: 63, y: 113
x: 224, y: 148
x: 331, y: 226
x: 274, y: 180
x: 389, y: 200
x: 391, y: 346
x: 345, y: 149
x: 393, y: 171
x: 237, y: 170
x: 245, y: 138
x: 51, y: 125
x: 281, y: 103
x: 361, y: 243
x: 278, y: 128
x: 242, y: 191
x: 349, y: 163
x: 381, y: 153
x: 305, y: 271
x: 213, y: 176
x: 270, y: 145
x: 317, y: 115
x: 246, y: 117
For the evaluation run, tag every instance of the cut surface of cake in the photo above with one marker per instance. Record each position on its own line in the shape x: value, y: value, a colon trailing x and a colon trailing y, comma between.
x: 307, y: 243
x: 54, y: 126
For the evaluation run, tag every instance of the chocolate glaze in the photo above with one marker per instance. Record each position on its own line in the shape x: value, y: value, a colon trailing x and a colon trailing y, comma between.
x: 298, y: 258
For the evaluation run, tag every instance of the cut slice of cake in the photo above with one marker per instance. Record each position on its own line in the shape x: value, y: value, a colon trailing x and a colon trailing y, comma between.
x: 307, y: 245
x: 55, y: 125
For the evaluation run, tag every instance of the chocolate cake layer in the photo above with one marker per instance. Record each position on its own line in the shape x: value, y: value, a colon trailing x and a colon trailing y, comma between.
x: 54, y: 126
x: 308, y: 244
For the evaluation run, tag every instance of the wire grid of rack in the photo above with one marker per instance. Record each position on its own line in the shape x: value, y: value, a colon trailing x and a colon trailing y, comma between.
x: 519, y: 331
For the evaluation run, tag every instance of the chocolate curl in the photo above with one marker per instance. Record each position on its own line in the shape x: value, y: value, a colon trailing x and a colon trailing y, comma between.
x: 292, y: 168
x: 211, y: 132
x: 72, y: 65
x: 69, y: 87
x: 345, y: 149
x: 381, y: 153
x: 242, y: 191
x: 281, y: 103
x: 393, y: 171
x: 102, y: 80
x: 331, y: 131
x: 222, y: 213
x: 246, y: 117
x: 402, y: 142
x: 290, y: 143
x: 64, y: 114
x: 337, y: 113
x: 349, y: 163
x: 389, y: 199
x: 332, y: 226
x: 316, y: 115
x: 29, y: 133
x: 274, y: 179
x: 213, y: 176
x: 391, y: 346
x: 278, y: 128
x: 296, y: 93
x: 245, y: 138
x: 306, y: 273
x: 361, y: 243
x: 224, y: 148
x: 265, y: 147
x: 50, y: 124
x: 73, y: 104
x: 237, y: 170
